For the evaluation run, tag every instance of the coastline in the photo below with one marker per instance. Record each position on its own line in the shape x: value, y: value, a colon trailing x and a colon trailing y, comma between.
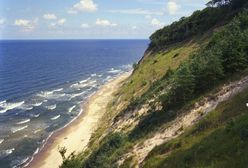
x: 76, y: 135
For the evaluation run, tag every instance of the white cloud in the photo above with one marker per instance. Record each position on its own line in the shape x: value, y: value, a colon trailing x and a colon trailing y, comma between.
x: 59, y: 22
x: 137, y: 11
x: 172, y: 7
x: 26, y: 25
x: 157, y: 23
x: 85, y: 25
x: 104, y: 22
x: 84, y: 6
x: 50, y: 16
x: 2, y: 21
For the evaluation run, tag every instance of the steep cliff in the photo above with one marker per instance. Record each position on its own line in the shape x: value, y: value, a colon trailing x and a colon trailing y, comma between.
x: 185, y: 103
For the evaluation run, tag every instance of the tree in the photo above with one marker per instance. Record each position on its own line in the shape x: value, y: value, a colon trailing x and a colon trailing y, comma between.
x: 62, y: 151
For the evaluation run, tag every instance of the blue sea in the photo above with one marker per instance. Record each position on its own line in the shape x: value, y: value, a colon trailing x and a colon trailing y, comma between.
x: 43, y: 83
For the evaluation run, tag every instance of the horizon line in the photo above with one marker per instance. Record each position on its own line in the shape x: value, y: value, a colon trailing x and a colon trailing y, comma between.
x: 74, y: 39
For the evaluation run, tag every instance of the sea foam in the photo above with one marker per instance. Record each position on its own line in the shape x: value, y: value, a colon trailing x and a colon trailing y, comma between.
x: 4, y: 106
x: 23, y: 122
x: 16, y: 129
x: 7, y: 152
x: 55, y: 118
x: 112, y: 70
x: 52, y: 107
x: 71, y: 108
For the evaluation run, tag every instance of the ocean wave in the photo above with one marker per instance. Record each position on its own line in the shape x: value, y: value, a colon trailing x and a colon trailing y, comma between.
x: 71, y: 108
x: 55, y: 117
x: 82, y: 85
x: 7, y: 152
x: 21, y: 162
x: 108, y: 78
x: 36, y: 151
x: 16, y: 129
x: 1, y: 141
x: 112, y: 70
x: 52, y: 107
x: 76, y: 95
x: 84, y: 81
x: 23, y: 122
x: 58, y: 90
x: 45, y: 93
x: 37, y: 104
x: 38, y: 130
x: 51, y: 95
x: 25, y: 107
x: 94, y: 74
x: 1, y: 102
x: 4, y: 106
x: 36, y: 115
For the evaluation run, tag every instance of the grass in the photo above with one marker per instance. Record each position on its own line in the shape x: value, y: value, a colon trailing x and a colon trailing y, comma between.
x: 154, y: 67
x: 219, y: 140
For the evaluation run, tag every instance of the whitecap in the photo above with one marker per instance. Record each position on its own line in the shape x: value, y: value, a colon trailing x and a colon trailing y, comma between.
x: 84, y: 81
x: 23, y: 122
x: 52, y: 107
x: 36, y: 115
x: 82, y: 85
x: 93, y: 74
x: 9, y: 106
x: 71, y: 108
x: 2, y: 102
x: 76, y: 95
x: 37, y: 104
x: 45, y: 93
x: 51, y: 95
x: 7, y: 152
x: 25, y: 107
x: 55, y: 117
x: 16, y: 129
x: 1, y: 141
x: 112, y: 70
x: 36, y: 151
x: 58, y: 90
x: 38, y: 130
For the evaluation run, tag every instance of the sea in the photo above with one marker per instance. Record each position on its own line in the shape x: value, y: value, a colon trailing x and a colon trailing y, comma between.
x: 44, y: 82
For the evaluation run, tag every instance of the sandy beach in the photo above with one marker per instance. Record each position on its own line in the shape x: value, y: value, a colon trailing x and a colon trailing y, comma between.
x: 76, y: 135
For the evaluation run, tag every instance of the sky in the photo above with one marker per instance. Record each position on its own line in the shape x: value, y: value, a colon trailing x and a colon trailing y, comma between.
x: 90, y: 19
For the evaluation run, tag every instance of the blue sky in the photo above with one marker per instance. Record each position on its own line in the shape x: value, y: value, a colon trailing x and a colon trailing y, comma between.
x: 90, y: 19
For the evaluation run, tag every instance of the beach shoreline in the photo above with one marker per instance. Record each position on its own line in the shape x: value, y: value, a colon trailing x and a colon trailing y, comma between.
x: 76, y: 135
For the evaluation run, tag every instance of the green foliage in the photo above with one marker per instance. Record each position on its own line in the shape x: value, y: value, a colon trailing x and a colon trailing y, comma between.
x: 106, y: 155
x: 197, y: 23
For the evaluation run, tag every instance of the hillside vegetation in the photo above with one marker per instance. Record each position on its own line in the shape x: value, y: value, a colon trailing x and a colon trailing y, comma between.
x: 185, y: 61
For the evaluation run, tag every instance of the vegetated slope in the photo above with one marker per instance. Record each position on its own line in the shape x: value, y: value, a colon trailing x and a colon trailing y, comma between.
x: 219, y: 140
x: 176, y: 72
